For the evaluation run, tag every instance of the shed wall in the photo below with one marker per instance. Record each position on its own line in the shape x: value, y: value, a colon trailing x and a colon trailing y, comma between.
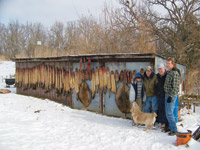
x: 101, y: 102
x: 60, y: 69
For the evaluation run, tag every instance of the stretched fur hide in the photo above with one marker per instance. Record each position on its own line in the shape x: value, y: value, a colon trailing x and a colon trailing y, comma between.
x: 122, y: 98
x: 85, y: 94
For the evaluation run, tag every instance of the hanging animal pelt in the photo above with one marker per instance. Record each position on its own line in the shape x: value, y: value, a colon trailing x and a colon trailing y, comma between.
x: 96, y: 80
x: 84, y: 62
x: 53, y: 77
x: 72, y: 80
x: 113, y: 84
x: 89, y: 69
x: 66, y: 83
x: 56, y: 78
x: 124, y: 77
x: 86, y: 75
x: 85, y: 94
x: 108, y: 81
x: 130, y: 77
x: 76, y: 82
x: 101, y: 78
x: 43, y: 76
x: 116, y: 76
x: 25, y: 79
x: 89, y: 75
x: 133, y: 75
x: 93, y: 83
x: 105, y: 82
x: 30, y: 81
x: 21, y: 79
x: 18, y: 78
x: 61, y: 79
x: 121, y: 76
x: 80, y: 64
x: 46, y: 77
x: 58, y: 82
x: 122, y: 98
x: 89, y: 64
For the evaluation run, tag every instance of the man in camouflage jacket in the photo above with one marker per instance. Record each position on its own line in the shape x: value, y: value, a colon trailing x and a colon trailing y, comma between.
x: 150, y: 84
x: 171, y: 88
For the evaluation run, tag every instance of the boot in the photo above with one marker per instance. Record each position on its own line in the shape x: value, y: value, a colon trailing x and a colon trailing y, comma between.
x: 172, y: 133
x: 166, y: 129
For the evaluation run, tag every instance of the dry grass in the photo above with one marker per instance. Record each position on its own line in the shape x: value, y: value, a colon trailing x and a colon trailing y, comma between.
x: 3, y: 58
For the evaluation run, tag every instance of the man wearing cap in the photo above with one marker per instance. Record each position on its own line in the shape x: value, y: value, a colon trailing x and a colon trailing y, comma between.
x: 160, y: 93
x: 171, y: 88
x: 150, y: 84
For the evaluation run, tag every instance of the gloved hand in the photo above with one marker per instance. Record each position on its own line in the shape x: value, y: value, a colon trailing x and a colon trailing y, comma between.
x: 169, y: 100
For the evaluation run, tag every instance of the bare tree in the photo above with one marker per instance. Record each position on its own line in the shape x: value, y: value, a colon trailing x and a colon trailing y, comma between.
x: 56, y: 36
x: 130, y: 25
x: 12, y: 43
x: 2, y: 35
x: 178, y: 28
x: 32, y: 34
x: 71, y: 37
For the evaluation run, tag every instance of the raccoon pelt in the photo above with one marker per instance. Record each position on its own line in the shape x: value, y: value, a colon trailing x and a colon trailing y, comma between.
x: 122, y: 98
x: 85, y: 94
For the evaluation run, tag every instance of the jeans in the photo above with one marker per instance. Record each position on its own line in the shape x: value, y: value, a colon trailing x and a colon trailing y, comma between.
x: 151, y: 103
x: 169, y: 109
x: 161, y: 111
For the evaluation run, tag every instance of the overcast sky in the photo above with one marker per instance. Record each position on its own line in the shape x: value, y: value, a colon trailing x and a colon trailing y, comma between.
x: 49, y: 11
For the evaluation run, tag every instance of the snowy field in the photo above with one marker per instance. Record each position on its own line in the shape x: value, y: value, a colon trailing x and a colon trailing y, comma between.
x: 28, y: 123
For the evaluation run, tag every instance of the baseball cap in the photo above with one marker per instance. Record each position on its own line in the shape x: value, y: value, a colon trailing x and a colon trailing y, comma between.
x: 161, y: 65
x: 149, y: 68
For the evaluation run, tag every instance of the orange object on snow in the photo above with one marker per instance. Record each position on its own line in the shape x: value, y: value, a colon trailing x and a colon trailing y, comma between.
x: 179, y: 114
x: 183, y: 137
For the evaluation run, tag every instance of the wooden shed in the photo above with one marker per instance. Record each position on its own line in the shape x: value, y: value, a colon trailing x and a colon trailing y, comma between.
x: 86, y: 81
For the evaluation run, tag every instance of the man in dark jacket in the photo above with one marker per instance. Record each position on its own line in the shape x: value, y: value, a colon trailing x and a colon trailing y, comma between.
x: 150, y: 83
x: 160, y: 93
x: 171, y: 88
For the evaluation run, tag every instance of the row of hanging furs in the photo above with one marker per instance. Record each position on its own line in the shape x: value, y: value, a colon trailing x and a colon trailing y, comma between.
x: 49, y: 77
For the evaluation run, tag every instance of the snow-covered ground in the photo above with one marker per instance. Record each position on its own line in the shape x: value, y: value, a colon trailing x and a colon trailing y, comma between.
x: 36, y: 124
